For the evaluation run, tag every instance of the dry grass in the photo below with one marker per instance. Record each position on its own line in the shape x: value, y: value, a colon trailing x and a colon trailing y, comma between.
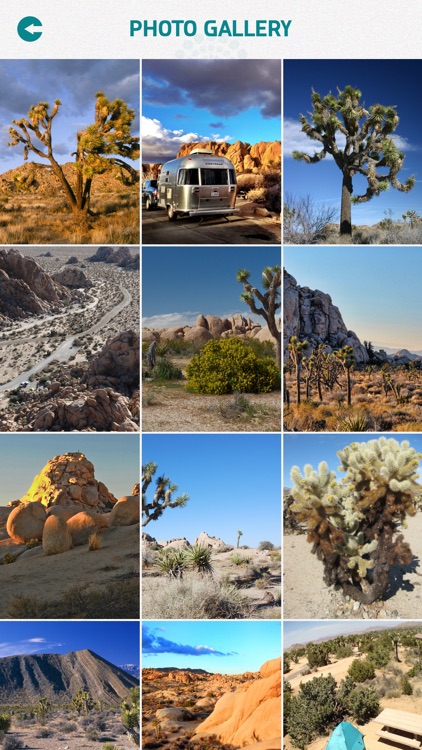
x: 372, y: 410
x: 95, y: 541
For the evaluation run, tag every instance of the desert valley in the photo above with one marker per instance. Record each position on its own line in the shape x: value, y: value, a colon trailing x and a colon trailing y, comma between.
x: 69, y: 343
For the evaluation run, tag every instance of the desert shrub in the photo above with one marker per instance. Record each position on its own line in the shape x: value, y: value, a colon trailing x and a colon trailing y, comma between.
x: 363, y: 704
x: 361, y: 670
x: 317, y: 654
x: 305, y: 221
x: 395, y: 693
x: 261, y: 348
x: 11, y: 742
x: 225, y: 548
x: 230, y: 365
x: 193, y: 597
x: 266, y: 545
x: 9, y: 558
x: 406, y: 686
x: 66, y: 726
x: 164, y: 369
x: 286, y: 664
x: 275, y: 555
x: 343, y: 651
x: 5, y: 722
x: 188, y: 703
x: 109, y: 746
x: 148, y: 556
x: 246, y: 181
x: 273, y: 198
x: 172, y: 561
x: 379, y: 655
x: 237, y: 559
x: 95, y: 541
x: 414, y: 671
x: 257, y: 195
x: 199, y: 558
x: 312, y: 711
x: 43, y: 732
x: 277, y: 597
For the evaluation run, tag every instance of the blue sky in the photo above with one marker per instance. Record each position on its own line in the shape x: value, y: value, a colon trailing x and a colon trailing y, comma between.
x: 377, y: 289
x: 312, y: 449
x: 305, y: 631
x: 185, y: 101
x: 233, y: 482
x: 115, y: 459
x: 75, y: 83
x: 198, y: 280
x: 118, y: 642
x: 389, y: 82
x: 227, y: 647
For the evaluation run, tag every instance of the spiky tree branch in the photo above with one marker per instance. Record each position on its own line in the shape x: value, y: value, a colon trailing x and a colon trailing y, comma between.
x: 269, y: 300
x: 369, y: 146
x: 162, y: 498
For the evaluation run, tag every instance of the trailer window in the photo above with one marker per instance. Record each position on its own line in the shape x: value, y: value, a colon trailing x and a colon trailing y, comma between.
x: 188, y: 177
x: 214, y: 177
x: 232, y: 175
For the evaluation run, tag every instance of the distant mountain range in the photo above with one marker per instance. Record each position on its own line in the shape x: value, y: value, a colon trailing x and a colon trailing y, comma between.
x: 59, y: 677
x: 132, y: 669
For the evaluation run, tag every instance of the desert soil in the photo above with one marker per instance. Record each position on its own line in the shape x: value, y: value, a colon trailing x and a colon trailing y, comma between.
x: 72, y: 740
x: 47, y: 578
x: 306, y: 596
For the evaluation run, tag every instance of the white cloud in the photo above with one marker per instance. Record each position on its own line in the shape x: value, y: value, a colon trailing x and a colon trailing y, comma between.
x: 159, y: 142
x: 37, y: 640
x: 29, y: 646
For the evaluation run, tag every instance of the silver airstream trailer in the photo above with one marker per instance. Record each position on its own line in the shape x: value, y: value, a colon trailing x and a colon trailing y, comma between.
x: 200, y: 183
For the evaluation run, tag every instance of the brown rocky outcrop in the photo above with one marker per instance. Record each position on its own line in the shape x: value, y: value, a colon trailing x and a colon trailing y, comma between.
x: 258, y: 157
x: 84, y: 524
x: 25, y: 523
x: 251, y: 711
x: 68, y: 480
x: 205, y: 540
x: 310, y: 315
x: 101, y: 410
x: 211, y: 327
x: 74, y: 278
x: 25, y: 289
x: 121, y: 256
x: 126, y: 511
x: 117, y: 364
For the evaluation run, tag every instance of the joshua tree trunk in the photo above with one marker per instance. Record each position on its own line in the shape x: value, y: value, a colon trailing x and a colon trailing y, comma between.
x: 349, y: 388
x: 298, y: 382
x: 346, y: 205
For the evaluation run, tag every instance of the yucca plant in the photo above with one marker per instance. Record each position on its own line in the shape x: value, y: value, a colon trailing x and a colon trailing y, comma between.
x: 199, y: 558
x: 172, y: 562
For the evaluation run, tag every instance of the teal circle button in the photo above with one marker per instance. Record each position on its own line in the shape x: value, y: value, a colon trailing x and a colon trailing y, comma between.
x: 27, y: 29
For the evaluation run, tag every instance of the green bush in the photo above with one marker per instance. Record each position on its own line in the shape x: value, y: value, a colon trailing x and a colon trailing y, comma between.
x: 164, y: 369
x: 266, y: 545
x: 230, y: 365
x: 414, y: 670
x: 5, y: 722
x: 361, y: 670
x: 363, y: 704
x: 406, y: 686
x: 313, y: 711
x: 317, y: 654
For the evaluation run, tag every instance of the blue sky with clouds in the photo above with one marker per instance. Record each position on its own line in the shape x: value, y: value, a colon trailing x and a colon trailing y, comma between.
x: 377, y: 289
x: 118, y: 642
x: 198, y: 280
x: 303, y: 631
x: 115, y: 459
x: 75, y: 83
x: 312, y: 449
x: 227, y: 646
x: 199, y: 100
x: 389, y: 82
x: 227, y: 491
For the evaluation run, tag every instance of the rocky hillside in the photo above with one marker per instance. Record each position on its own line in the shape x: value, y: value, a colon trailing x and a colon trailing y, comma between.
x: 310, y: 315
x: 39, y: 179
x: 256, y: 158
x: 27, y: 678
x: 25, y: 289
x: 210, y: 327
x: 121, y: 256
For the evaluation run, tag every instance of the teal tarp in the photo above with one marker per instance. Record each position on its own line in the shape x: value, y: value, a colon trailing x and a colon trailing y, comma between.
x: 346, y: 737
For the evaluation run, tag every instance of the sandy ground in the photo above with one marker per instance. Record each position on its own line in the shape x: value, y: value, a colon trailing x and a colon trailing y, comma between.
x: 172, y: 409
x: 47, y: 578
x: 28, y: 342
x: 307, y: 597
x: 76, y: 740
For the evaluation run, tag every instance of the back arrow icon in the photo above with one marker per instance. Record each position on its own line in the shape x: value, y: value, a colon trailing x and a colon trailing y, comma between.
x: 27, y: 29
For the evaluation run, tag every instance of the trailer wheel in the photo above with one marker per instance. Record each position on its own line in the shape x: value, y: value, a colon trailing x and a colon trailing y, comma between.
x: 148, y: 205
x: 171, y: 213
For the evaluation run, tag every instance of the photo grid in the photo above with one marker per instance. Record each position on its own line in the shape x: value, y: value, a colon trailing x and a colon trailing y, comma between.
x: 281, y: 485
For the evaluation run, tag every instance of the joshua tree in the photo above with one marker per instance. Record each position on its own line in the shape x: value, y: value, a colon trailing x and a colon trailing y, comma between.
x: 99, y: 147
x: 346, y: 357
x: 353, y: 523
x: 131, y: 715
x: 368, y: 145
x: 42, y: 708
x: 269, y: 300
x: 296, y: 348
x: 162, y: 498
x: 83, y: 701
x: 239, y: 534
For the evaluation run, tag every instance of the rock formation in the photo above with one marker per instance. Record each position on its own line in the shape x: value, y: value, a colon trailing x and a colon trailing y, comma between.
x: 72, y: 260
x: 250, y: 714
x: 56, y: 537
x: 69, y: 480
x: 121, y: 257
x: 126, y: 511
x: 256, y: 158
x: 25, y: 289
x: 101, y: 410
x: 205, y: 540
x: 26, y: 523
x: 73, y: 278
x: 84, y: 524
x: 117, y: 364
x: 210, y: 327
x: 26, y: 678
x: 310, y: 315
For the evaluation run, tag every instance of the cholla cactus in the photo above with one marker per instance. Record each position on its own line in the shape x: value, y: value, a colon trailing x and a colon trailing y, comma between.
x: 353, y: 523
